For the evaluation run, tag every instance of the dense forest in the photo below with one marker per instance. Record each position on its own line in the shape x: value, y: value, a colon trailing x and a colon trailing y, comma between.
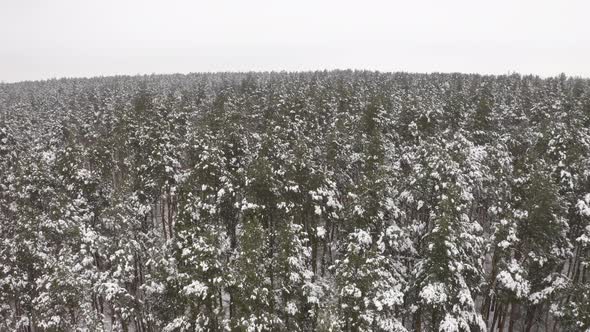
x: 316, y: 201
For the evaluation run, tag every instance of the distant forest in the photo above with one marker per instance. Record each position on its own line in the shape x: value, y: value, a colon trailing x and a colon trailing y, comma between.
x: 314, y: 201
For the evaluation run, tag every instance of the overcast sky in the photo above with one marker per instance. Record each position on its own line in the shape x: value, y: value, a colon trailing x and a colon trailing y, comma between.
x: 42, y: 39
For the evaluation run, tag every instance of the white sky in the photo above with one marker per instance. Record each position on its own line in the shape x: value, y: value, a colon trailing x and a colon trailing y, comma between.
x: 42, y: 39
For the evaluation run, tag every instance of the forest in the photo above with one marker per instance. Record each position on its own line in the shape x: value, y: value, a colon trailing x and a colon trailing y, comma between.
x: 295, y: 201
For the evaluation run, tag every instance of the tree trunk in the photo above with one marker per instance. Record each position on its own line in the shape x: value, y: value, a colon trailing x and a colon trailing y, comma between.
x: 513, y: 317
x: 418, y: 321
x: 530, y: 318
x: 495, y: 317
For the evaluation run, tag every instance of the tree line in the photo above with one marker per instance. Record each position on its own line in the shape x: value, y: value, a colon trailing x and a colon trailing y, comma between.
x: 315, y: 201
